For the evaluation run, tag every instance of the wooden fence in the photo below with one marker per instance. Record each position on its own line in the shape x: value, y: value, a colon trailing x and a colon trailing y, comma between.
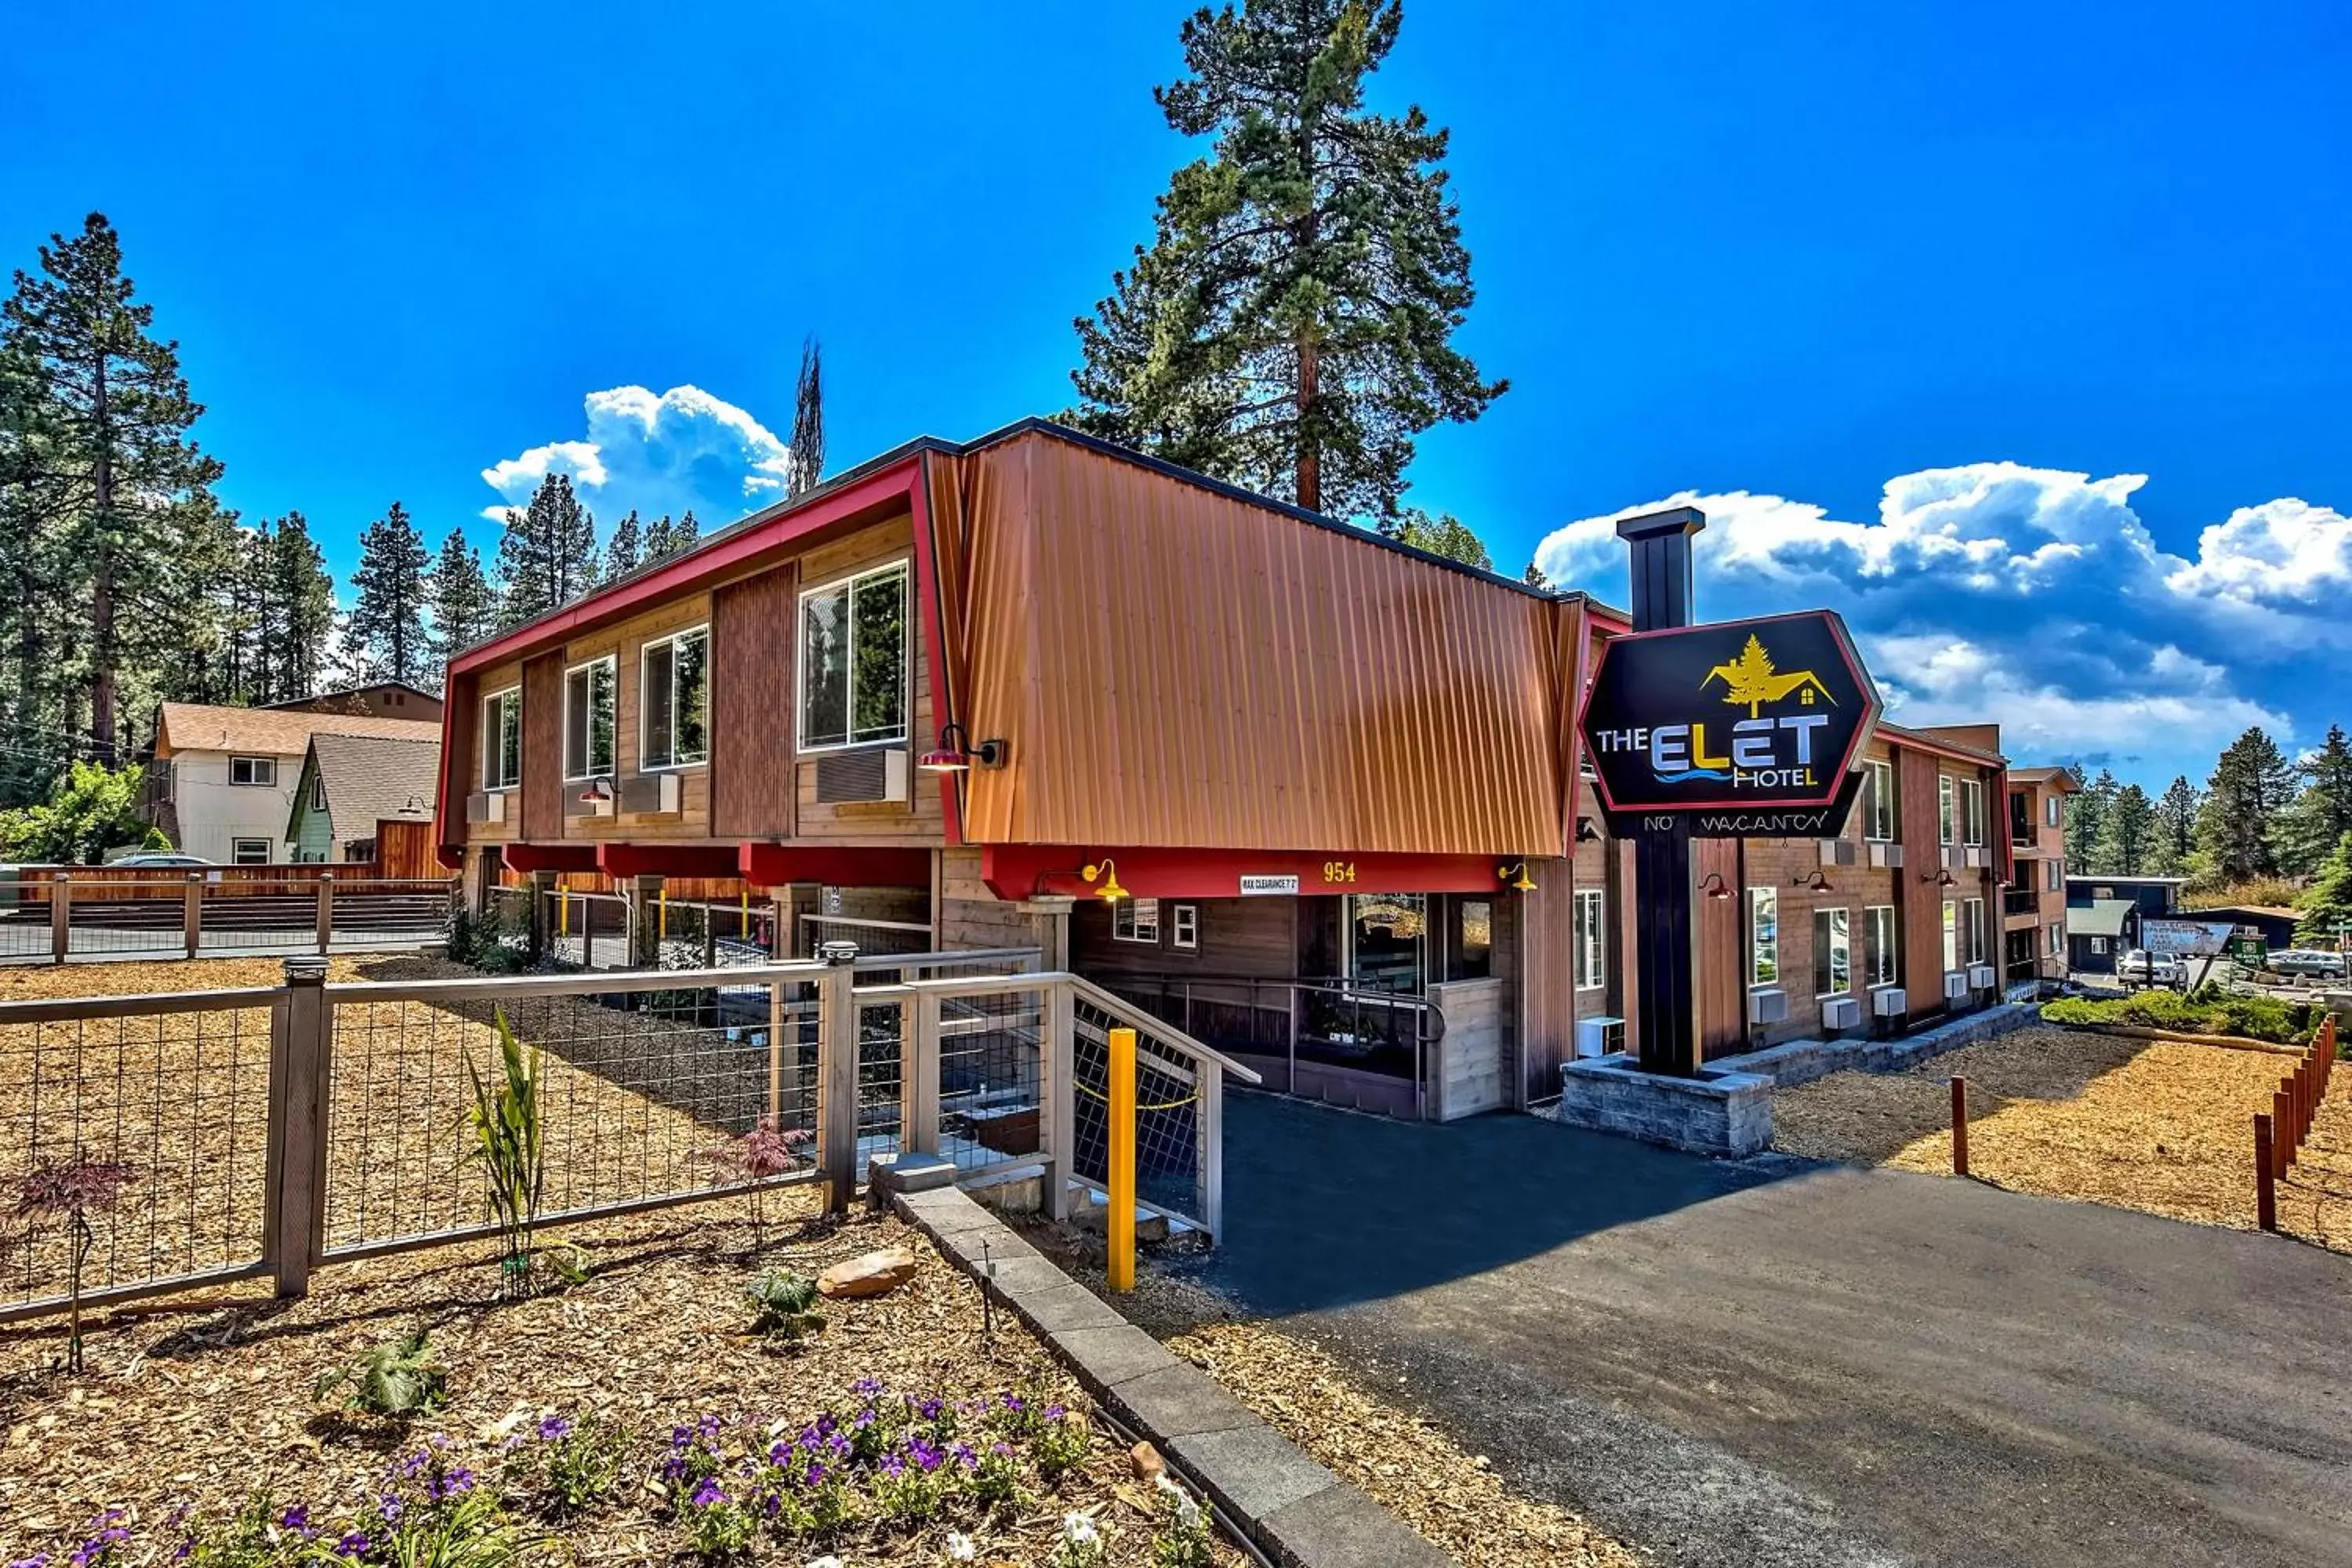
x: 2295, y: 1105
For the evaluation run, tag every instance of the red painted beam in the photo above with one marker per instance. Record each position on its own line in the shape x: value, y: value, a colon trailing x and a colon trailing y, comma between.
x: 530, y: 857
x: 659, y: 859
x: 1027, y: 870
x: 836, y: 865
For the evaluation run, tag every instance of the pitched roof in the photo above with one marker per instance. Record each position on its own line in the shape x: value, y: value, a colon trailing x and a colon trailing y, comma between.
x: 2268, y: 911
x: 369, y: 777
x: 2059, y: 777
x: 270, y: 732
x: 2103, y: 918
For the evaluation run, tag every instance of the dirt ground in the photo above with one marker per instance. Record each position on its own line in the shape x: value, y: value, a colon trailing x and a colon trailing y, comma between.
x: 2159, y: 1125
x: 209, y: 1398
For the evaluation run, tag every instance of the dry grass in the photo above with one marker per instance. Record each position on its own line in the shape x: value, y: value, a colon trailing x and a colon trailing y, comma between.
x: 2158, y: 1125
x: 210, y: 1400
x: 1402, y: 1462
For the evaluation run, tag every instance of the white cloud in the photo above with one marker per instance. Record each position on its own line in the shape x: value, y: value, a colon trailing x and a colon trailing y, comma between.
x: 681, y: 451
x: 2037, y: 598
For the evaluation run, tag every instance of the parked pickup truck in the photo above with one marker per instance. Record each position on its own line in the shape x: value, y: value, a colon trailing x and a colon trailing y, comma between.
x: 2141, y: 967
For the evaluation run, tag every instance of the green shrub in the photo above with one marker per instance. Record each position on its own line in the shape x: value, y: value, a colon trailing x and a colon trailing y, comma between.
x: 2210, y: 1011
x: 398, y: 1378
x: 784, y: 1304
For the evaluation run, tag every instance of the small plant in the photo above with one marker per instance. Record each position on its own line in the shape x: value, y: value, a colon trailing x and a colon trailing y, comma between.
x: 72, y: 1190
x: 1061, y: 1443
x: 508, y: 1146
x: 399, y: 1378
x: 568, y: 1468
x: 994, y: 1478
x: 910, y: 1482
x: 784, y: 1304
x: 1183, y: 1539
x: 717, y: 1527
x: 570, y: 1263
x: 1081, y: 1543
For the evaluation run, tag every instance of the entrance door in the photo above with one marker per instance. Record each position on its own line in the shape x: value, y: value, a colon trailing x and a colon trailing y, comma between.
x: 1387, y: 938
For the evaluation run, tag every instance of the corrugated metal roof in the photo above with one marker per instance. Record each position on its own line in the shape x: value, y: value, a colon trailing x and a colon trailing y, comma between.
x: 2103, y: 917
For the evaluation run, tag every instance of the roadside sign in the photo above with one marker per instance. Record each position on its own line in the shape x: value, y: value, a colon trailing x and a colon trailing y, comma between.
x: 1260, y: 886
x: 2187, y: 939
x: 2250, y: 951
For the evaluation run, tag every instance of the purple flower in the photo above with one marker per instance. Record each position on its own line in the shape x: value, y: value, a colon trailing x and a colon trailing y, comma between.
x: 816, y: 1474
x: 1012, y: 1403
x: 552, y: 1427
x: 38, y: 1560
x: 407, y: 1467
x: 708, y: 1492
x: 864, y: 1418
x: 708, y: 1427
x: 1055, y: 1413
x: 298, y: 1520
x: 1000, y: 1449
x: 679, y: 1437
x: 354, y: 1544
x: 781, y: 1452
x: 924, y: 1454
x: 841, y: 1448
x: 868, y: 1386
x: 450, y: 1483
x: 389, y: 1508
x: 962, y: 1455
x: 929, y: 1409
x: 894, y: 1467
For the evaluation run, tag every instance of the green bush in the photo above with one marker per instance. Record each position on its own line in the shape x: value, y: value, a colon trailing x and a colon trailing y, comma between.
x: 2209, y: 1011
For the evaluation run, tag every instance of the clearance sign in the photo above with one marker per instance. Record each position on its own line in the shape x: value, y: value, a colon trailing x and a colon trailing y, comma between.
x: 1748, y: 728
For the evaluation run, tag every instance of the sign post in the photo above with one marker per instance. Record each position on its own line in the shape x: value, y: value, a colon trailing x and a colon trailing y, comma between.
x: 1737, y: 730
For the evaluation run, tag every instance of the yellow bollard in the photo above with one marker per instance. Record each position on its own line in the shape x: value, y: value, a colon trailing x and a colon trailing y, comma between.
x: 1119, y: 1224
x: 563, y: 912
x: 661, y: 909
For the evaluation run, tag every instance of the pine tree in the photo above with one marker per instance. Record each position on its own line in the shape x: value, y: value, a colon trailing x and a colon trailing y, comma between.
x: 2175, y: 828
x: 386, y: 631
x: 2308, y: 831
x: 136, y: 485
x: 808, y: 421
x: 304, y: 597
x: 1444, y: 534
x: 549, y: 555
x: 2127, y: 833
x: 2252, y: 783
x: 1291, y: 327
x: 1534, y: 575
x: 33, y: 494
x: 2328, y: 905
x: 465, y: 610
x: 668, y: 537
x: 2086, y: 820
x: 624, y: 551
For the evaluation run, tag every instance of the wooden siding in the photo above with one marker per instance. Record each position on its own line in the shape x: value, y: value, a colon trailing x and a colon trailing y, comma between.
x: 542, y: 741
x: 626, y: 641
x: 1176, y: 667
x: 752, y: 705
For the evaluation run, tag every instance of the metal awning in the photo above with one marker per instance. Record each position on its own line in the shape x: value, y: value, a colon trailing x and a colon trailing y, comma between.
x: 2104, y: 917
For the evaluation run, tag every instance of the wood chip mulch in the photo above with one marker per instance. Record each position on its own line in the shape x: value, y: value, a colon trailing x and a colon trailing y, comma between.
x: 2165, y: 1126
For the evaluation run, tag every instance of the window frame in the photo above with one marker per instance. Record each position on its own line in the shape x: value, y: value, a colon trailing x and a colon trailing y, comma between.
x: 2057, y: 939
x: 1972, y: 813
x: 646, y: 709
x: 2050, y: 810
x: 902, y: 566
x: 1184, y: 927
x: 236, y: 856
x: 318, y: 792
x: 1879, y: 802
x: 256, y: 763
x: 1952, y: 935
x: 1832, y: 941
x: 612, y: 663
x: 1588, y: 964
x: 1872, y: 949
x: 1972, y: 929
x: 493, y: 736
x: 1763, y: 897
x: 2055, y: 880
x: 1946, y: 808
x: 1130, y: 911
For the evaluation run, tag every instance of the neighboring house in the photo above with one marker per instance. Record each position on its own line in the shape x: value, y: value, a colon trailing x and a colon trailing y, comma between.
x: 2276, y: 923
x: 2034, y: 903
x: 1303, y: 750
x: 2099, y: 932
x: 385, y: 699
x: 2157, y: 898
x: 221, y: 784
x: 349, y: 784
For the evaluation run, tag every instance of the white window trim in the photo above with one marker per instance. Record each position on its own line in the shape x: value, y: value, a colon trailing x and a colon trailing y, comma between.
x: 1847, y: 989
x: 1973, y: 931
x: 237, y: 851
x: 491, y: 700
x: 1132, y: 908
x: 258, y: 761
x: 1184, y: 927
x: 2058, y: 939
x: 646, y: 709
x: 318, y: 792
x: 1947, y: 809
x: 2050, y: 811
x: 1876, y: 773
x: 1871, y: 947
x: 1972, y: 814
x: 1592, y: 958
x: 904, y: 565
x: 611, y: 662
x: 1755, y: 947
x: 1953, y: 954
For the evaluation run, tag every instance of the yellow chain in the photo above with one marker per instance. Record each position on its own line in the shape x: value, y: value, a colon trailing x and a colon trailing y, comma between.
x: 1163, y: 1105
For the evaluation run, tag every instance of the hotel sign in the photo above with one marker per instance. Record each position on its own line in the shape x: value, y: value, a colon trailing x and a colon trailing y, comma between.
x: 1747, y: 727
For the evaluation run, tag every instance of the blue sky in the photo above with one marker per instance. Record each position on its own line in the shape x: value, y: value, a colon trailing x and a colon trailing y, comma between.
x: 1823, y: 268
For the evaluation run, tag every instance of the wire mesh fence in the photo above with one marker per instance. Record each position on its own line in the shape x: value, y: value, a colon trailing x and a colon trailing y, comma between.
x: 702, y: 934
x: 173, y: 1093
x: 1170, y: 1169
x: 991, y: 1091
x: 646, y: 1095
x: 587, y: 931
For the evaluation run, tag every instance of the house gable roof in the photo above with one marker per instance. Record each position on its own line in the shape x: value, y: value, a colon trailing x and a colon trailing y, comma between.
x: 370, y: 777
x: 270, y: 732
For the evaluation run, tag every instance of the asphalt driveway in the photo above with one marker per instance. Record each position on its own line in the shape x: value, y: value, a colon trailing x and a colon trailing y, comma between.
x: 1785, y: 1365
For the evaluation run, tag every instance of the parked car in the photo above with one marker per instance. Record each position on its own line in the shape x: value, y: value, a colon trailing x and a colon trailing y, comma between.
x: 159, y: 858
x: 2319, y: 964
x: 2144, y: 968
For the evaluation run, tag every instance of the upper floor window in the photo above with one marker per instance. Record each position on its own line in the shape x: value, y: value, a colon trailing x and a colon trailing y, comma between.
x: 853, y: 660
x: 1972, y: 811
x: 260, y: 771
x: 318, y: 792
x: 2050, y: 811
x: 1947, y: 822
x: 590, y: 694
x: 2054, y: 878
x: 676, y: 685
x: 503, y: 739
x: 1879, y: 801
x: 1763, y: 936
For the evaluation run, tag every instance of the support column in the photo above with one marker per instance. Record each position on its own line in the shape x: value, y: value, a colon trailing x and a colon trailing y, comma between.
x: 1665, y: 928
x: 299, y: 1065
x: 543, y: 912
x: 1049, y: 922
x: 645, y: 922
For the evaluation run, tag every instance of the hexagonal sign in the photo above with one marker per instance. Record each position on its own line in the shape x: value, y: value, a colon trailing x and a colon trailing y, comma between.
x: 1767, y: 714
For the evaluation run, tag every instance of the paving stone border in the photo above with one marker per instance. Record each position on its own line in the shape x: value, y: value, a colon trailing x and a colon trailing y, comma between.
x: 1293, y: 1509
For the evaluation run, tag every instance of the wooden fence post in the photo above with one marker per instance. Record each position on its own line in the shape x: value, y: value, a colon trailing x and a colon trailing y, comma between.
x: 326, y: 911
x: 60, y: 917
x: 2282, y: 1140
x: 191, y: 912
x: 300, y: 1058
x: 1118, y: 1218
x: 1059, y: 1072
x: 1959, y: 1126
x: 836, y: 1077
x: 920, y: 1129
x: 2265, y: 1187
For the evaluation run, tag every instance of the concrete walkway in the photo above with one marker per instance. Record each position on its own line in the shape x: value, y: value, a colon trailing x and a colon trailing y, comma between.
x: 1786, y: 1365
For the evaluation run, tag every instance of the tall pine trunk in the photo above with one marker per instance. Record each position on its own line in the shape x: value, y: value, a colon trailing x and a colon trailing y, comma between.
x: 101, y: 597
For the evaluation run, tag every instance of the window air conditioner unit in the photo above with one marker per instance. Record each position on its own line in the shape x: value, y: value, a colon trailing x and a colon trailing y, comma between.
x: 871, y: 775
x: 1600, y: 1037
x: 1889, y: 1002
x: 1841, y: 1013
x: 1767, y: 1005
x: 1956, y: 857
x: 1885, y: 857
x: 486, y: 805
x: 1955, y: 985
x: 1977, y: 857
x: 1982, y: 977
x: 652, y: 794
x: 1838, y: 852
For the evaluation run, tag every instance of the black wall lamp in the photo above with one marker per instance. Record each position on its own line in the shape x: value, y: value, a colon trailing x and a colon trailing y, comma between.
x: 956, y: 752
x: 1713, y: 886
x: 1813, y: 881
x: 1586, y: 832
x: 1941, y: 879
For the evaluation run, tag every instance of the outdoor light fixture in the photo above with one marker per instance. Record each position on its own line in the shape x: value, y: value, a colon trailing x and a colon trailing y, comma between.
x: 1517, y: 876
x: 1941, y: 879
x: 1586, y: 832
x: 1106, y: 871
x: 1813, y: 882
x: 1713, y: 886
x: 956, y: 752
